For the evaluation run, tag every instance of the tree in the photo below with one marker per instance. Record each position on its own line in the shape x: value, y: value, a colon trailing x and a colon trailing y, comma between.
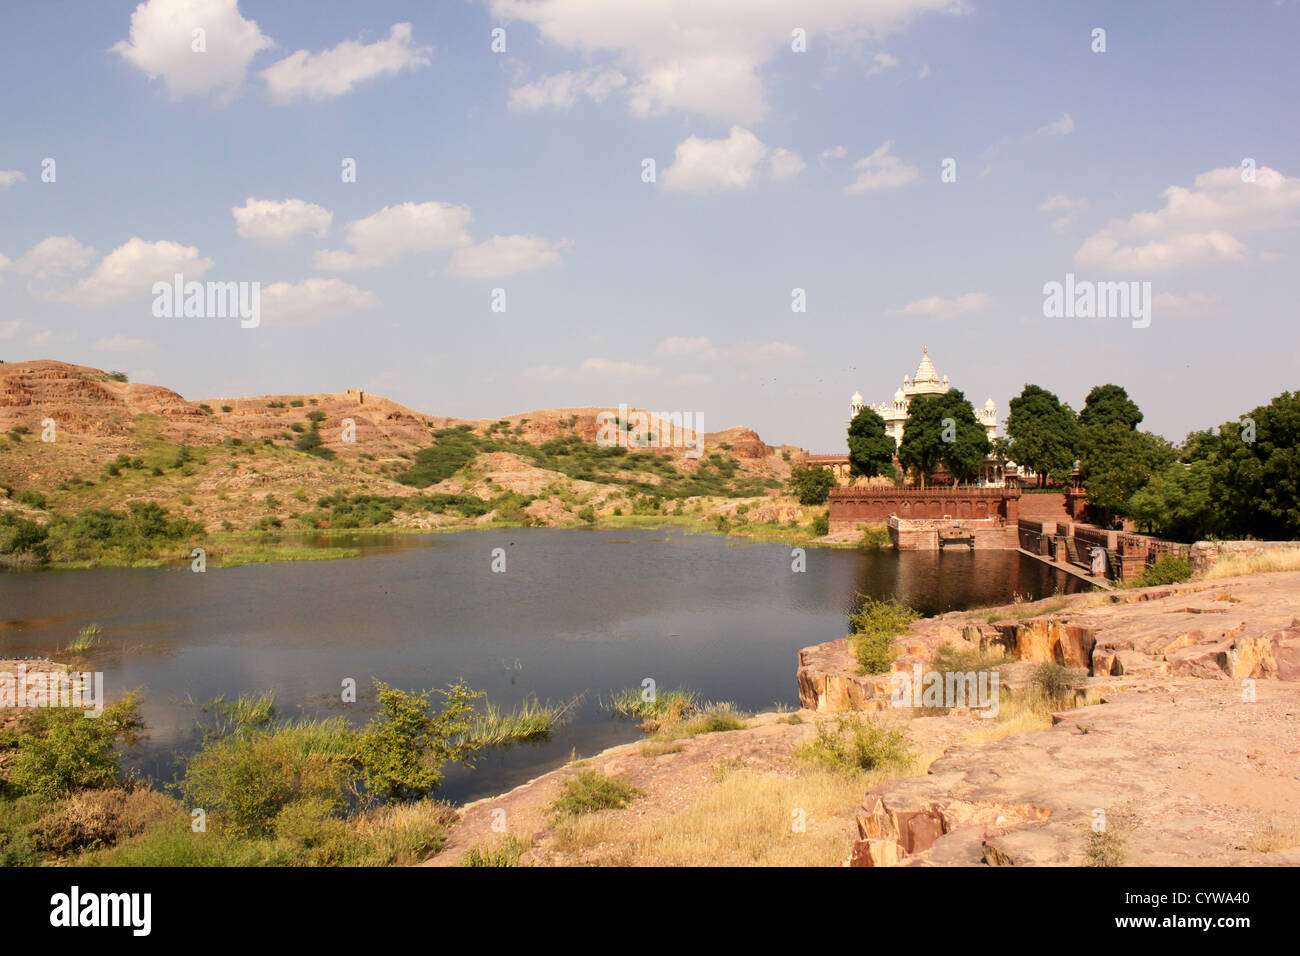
x: 871, y: 450
x: 1109, y: 404
x: 403, y: 748
x: 922, y: 447
x: 1116, y: 461
x: 812, y: 486
x: 1044, y: 433
x: 1176, y: 503
x: 965, y: 440
x: 1256, y: 471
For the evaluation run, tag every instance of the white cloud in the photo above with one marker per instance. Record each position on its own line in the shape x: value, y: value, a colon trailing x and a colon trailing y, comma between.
x: 561, y: 90
x: 1191, y: 304
x: 881, y: 170
x: 337, y: 71
x: 547, y: 373
x: 133, y: 268
x: 742, y: 353
x: 724, y: 165
x: 308, y: 301
x: 49, y: 337
x: 9, y: 329
x: 123, y: 343
x: 1197, y: 226
x: 882, y: 62
x: 785, y: 164
x: 1062, y: 127
x: 506, y: 255
x: 936, y: 307
x: 617, y: 369
x: 703, y: 56
x: 397, y: 230
x: 1067, y: 207
x: 925, y: 71
x: 161, y: 44
x: 834, y: 152
x: 55, y: 256
x: 281, y: 221
x: 682, y: 346
x: 10, y: 176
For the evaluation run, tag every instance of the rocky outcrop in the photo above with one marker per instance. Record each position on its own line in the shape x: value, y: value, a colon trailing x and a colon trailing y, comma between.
x: 1183, y: 773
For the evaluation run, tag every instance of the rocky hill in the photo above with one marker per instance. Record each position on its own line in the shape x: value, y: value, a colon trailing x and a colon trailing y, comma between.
x: 239, y: 463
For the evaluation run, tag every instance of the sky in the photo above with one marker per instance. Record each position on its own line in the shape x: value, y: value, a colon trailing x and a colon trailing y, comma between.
x: 744, y: 210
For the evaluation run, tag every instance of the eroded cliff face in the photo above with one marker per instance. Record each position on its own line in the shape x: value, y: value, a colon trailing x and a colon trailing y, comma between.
x: 1200, y: 722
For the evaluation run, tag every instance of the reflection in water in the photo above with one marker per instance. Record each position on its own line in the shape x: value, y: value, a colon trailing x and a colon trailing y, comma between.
x: 576, y: 611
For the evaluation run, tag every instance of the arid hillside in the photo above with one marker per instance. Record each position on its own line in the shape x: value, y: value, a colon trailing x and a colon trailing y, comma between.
x: 266, y: 462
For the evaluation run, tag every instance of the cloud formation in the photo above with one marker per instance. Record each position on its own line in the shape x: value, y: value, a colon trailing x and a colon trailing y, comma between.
x: 395, y: 231
x: 881, y: 170
x: 506, y: 255
x: 334, y: 72
x: 728, y: 165
x: 162, y: 44
x: 703, y: 56
x: 936, y: 307
x: 1196, y: 227
x: 280, y: 221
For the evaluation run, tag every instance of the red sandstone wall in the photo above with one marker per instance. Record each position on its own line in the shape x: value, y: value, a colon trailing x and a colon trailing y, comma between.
x: 850, y: 507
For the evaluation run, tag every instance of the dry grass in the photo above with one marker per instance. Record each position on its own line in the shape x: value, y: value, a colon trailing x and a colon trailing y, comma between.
x: 1232, y: 565
x: 1022, y: 711
x: 805, y: 817
x: 749, y: 819
x: 1276, y: 835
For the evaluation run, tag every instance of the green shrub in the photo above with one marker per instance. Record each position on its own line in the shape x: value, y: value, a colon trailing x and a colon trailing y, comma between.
x: 1168, y: 569
x: 591, y: 791
x: 821, y: 525
x: 857, y: 745
x: 505, y: 853
x: 60, y: 750
x: 812, y: 486
x: 874, y: 625
x: 402, y: 750
x: 248, y: 778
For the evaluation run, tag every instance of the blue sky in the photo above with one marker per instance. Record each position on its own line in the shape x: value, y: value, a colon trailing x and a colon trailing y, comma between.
x: 522, y: 170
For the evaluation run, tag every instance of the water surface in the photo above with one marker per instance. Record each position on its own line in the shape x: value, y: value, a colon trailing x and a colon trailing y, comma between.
x: 576, y: 611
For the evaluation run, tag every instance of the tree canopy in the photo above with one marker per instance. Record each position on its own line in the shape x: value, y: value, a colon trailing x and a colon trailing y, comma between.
x: 1044, y: 433
x: 943, y: 430
x: 1107, y: 405
x: 1256, y: 469
x: 871, y: 449
x: 812, y: 486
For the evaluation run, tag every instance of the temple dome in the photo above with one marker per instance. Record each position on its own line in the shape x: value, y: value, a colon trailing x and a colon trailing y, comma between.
x: 856, y: 399
x: 925, y: 372
x: 990, y: 404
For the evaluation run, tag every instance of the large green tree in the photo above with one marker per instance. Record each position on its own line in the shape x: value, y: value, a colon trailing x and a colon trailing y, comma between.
x: 1256, y: 467
x: 812, y: 486
x: 943, y: 430
x: 966, y: 441
x: 1116, y: 461
x: 1044, y: 433
x: 921, y: 449
x: 871, y: 449
x: 1176, y: 503
x: 1107, y: 405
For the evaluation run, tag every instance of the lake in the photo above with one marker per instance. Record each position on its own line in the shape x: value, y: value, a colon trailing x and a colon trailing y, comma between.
x: 574, y: 612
